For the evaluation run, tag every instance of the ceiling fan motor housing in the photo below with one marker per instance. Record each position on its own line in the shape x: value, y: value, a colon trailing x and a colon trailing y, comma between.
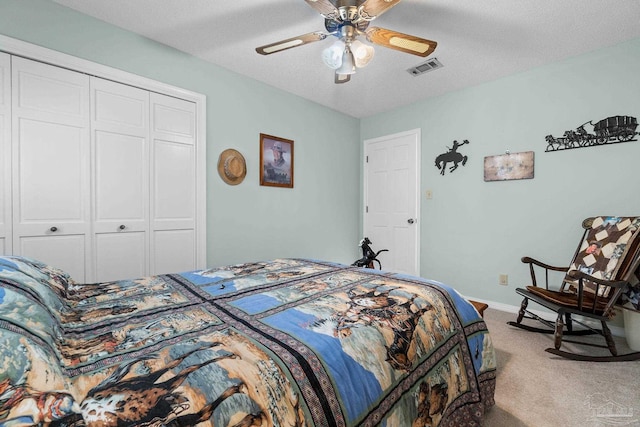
x: 333, y: 26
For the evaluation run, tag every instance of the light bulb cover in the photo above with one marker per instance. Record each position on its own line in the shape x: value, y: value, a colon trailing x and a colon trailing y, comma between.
x: 362, y: 53
x: 332, y: 56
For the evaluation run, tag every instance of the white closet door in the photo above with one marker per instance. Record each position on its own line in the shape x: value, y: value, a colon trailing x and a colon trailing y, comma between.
x: 5, y: 154
x: 173, y: 185
x: 120, y: 135
x: 50, y: 151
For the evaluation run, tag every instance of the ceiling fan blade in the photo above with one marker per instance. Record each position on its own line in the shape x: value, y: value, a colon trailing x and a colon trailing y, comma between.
x: 292, y: 42
x: 402, y: 42
x: 324, y: 8
x: 371, y: 9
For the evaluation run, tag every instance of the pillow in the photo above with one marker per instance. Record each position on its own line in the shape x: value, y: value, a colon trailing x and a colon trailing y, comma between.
x: 606, y: 243
x: 21, y: 313
x: 48, y: 285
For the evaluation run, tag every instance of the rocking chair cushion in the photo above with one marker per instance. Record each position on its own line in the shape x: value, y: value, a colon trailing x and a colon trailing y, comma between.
x: 608, y: 257
x: 606, y: 242
x: 569, y: 299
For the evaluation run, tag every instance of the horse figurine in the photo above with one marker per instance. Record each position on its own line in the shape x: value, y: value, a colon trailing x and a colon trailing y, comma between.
x: 451, y: 156
x: 369, y: 257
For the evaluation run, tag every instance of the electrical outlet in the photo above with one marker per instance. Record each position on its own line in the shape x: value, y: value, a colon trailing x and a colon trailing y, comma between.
x: 503, y: 279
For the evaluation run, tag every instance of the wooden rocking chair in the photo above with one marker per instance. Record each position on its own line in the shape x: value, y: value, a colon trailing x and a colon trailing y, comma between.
x: 606, y: 262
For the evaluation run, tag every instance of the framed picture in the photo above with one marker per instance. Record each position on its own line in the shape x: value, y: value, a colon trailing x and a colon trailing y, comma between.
x: 276, y: 161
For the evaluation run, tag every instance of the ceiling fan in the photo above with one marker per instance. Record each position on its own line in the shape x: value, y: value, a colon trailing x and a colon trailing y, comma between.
x: 346, y: 20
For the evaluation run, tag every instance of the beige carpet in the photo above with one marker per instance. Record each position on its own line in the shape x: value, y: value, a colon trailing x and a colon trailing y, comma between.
x: 537, y: 389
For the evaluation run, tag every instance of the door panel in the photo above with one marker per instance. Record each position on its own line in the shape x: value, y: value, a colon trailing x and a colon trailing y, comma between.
x: 391, y: 200
x: 119, y: 180
x: 120, y: 135
x: 118, y: 255
x: 64, y: 251
x: 50, y: 172
x: 173, y: 187
x: 120, y: 105
x: 174, y: 251
x: 174, y: 183
x: 46, y: 89
x: 5, y: 154
x: 50, y: 152
x: 174, y: 118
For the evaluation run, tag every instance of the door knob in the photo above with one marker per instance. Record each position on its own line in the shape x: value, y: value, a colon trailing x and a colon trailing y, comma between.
x: 53, y: 229
x: 122, y: 227
x: 411, y: 220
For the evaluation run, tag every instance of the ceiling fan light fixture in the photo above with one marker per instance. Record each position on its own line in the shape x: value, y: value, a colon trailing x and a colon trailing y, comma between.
x: 348, y: 62
x: 347, y: 20
x: 332, y: 56
x: 363, y: 53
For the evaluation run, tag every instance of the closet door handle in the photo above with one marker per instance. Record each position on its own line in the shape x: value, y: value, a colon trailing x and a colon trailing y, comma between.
x: 53, y: 229
x: 122, y: 227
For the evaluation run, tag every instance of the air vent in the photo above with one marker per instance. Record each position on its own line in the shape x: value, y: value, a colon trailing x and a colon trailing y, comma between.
x: 429, y: 65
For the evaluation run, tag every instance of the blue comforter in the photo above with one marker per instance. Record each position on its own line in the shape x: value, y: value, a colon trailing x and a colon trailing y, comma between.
x: 285, y: 342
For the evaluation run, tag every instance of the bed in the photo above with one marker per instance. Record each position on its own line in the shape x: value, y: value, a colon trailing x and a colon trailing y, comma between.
x: 285, y: 342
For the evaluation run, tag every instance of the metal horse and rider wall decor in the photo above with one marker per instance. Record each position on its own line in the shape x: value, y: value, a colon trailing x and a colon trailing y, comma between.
x: 451, y: 156
x: 611, y: 130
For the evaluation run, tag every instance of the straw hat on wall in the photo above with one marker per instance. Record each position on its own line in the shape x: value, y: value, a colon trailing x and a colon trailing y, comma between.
x: 232, y: 166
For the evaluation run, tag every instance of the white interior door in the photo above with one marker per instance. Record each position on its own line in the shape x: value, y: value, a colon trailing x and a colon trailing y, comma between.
x: 50, y: 151
x: 173, y: 185
x: 120, y: 135
x: 391, y: 199
x: 5, y: 154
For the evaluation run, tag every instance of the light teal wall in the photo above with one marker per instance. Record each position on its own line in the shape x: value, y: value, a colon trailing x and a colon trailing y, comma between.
x: 317, y: 218
x: 472, y: 230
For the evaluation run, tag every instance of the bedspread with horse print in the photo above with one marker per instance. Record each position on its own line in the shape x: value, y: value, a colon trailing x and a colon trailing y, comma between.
x: 287, y: 342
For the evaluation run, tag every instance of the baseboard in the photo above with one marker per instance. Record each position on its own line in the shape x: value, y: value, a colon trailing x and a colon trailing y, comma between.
x: 546, y: 315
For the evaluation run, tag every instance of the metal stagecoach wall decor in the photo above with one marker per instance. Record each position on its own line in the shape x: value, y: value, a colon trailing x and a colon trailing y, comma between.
x: 509, y: 166
x: 451, y: 156
x: 611, y: 130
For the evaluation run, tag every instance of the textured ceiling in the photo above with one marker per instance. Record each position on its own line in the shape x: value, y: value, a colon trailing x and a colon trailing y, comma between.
x: 478, y: 41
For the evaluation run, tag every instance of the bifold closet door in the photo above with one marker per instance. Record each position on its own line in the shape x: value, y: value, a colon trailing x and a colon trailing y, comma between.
x: 51, y: 166
x: 120, y: 152
x: 5, y: 154
x: 173, y: 185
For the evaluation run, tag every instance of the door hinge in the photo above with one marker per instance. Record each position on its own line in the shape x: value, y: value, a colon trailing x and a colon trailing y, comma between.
x: 367, y: 159
x: 366, y: 209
